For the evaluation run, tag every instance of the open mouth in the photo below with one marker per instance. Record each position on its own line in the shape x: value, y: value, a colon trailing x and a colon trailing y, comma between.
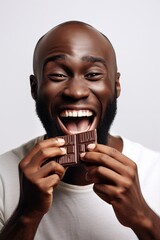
x: 76, y: 121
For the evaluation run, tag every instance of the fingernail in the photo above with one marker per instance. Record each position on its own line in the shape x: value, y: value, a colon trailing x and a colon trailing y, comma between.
x: 60, y: 140
x: 82, y: 154
x: 91, y: 146
x: 64, y: 151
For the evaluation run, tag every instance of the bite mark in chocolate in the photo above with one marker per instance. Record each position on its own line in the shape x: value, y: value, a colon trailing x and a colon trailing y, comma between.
x: 76, y: 144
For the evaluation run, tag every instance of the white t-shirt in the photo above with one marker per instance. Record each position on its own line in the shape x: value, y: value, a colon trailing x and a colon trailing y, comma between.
x: 77, y: 212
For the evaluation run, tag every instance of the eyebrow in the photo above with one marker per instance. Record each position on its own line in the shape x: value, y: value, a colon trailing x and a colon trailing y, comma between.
x: 54, y: 58
x: 91, y: 59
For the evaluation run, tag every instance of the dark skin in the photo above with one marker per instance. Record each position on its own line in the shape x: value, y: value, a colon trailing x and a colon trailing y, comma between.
x: 83, y: 71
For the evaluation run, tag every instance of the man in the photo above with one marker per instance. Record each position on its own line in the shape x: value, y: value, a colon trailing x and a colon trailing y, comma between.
x: 75, y: 86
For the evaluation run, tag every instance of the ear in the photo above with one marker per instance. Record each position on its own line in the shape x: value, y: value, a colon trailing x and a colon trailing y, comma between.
x: 118, y: 85
x: 34, y: 86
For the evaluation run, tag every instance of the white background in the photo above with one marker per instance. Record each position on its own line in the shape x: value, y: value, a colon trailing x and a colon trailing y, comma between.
x: 134, y: 29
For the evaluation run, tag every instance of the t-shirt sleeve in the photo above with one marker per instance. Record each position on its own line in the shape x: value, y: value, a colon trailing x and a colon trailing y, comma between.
x: 1, y: 205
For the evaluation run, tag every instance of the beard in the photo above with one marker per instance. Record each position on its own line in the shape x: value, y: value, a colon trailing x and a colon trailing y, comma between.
x: 47, y: 121
x: 106, y: 122
x: 53, y: 131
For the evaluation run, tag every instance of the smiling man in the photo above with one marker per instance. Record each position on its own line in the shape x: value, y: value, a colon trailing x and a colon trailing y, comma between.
x: 79, y: 81
x: 75, y: 85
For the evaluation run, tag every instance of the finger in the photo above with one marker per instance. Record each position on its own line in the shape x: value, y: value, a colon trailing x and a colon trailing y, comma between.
x: 108, y: 193
x: 119, y: 162
x: 47, y: 185
x: 52, y: 142
x: 96, y: 158
x: 49, y: 169
x: 100, y: 174
x: 112, y: 152
x: 51, y: 182
x: 44, y: 155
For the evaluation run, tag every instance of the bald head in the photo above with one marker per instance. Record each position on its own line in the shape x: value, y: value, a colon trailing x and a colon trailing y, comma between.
x: 75, y: 33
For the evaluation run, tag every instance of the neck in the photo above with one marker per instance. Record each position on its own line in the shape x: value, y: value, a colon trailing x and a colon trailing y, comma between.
x: 76, y: 175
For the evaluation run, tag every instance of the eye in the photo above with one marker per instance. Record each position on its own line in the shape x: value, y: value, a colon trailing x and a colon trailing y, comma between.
x: 57, y: 77
x: 93, y: 76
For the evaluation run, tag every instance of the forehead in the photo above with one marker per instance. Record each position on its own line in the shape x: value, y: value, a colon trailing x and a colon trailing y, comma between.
x: 76, y: 40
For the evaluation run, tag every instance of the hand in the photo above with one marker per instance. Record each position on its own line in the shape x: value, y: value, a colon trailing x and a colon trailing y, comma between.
x: 39, y: 177
x: 115, y: 179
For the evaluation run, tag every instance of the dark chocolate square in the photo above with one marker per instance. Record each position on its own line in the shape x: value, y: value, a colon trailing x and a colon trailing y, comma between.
x: 76, y: 144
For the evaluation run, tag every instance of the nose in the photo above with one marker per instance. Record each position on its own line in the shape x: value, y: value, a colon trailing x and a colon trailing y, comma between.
x: 76, y: 89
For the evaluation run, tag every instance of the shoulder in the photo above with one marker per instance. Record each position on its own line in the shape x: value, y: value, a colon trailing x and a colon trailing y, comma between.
x: 137, y: 149
x: 11, y: 159
x: 144, y: 157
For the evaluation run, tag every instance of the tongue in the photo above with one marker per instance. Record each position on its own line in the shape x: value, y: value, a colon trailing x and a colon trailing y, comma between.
x: 78, y: 125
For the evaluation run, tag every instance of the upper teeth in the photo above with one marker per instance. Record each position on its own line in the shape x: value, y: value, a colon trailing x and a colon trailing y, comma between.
x: 76, y: 113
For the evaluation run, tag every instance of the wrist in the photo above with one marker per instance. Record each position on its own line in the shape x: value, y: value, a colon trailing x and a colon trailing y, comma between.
x: 26, y: 218
x: 147, y: 227
x: 21, y: 226
x: 31, y: 218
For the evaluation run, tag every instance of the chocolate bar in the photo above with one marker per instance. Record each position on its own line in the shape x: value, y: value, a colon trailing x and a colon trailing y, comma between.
x: 76, y: 144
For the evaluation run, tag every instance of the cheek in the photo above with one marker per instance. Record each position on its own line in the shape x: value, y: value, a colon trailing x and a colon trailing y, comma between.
x: 47, y: 91
x: 104, y: 92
